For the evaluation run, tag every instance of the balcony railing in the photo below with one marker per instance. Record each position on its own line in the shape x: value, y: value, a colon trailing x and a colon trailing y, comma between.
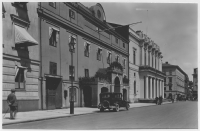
x: 148, y: 68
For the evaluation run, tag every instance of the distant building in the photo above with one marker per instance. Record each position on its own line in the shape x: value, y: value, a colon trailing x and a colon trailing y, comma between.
x: 21, y: 57
x: 145, y: 67
x: 176, y: 82
x: 195, y: 83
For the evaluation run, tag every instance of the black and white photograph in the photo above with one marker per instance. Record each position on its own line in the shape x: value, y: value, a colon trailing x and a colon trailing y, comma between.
x: 99, y: 65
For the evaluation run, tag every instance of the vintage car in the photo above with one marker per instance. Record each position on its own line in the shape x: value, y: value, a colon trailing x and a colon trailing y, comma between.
x: 112, y: 101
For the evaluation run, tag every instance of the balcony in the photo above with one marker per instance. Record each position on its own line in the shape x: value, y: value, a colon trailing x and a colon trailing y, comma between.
x: 151, y: 69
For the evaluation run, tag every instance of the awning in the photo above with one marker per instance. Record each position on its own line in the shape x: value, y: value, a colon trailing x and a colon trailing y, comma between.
x: 23, y: 38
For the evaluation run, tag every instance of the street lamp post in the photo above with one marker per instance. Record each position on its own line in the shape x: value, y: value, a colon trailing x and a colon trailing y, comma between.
x: 72, y: 50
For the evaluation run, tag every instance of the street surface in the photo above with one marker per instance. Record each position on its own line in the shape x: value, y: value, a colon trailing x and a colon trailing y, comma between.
x: 181, y: 115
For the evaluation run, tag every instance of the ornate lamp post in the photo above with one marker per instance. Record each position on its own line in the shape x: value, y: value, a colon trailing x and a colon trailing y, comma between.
x: 72, y: 44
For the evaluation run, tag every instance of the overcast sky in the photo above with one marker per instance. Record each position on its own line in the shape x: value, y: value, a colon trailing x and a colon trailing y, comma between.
x: 173, y: 26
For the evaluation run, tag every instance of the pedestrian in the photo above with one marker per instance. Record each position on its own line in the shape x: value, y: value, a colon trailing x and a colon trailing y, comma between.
x: 156, y: 100
x: 160, y: 100
x: 12, y: 102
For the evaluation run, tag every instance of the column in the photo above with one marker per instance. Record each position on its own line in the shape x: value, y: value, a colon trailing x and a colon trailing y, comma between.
x: 150, y: 87
x: 157, y: 88
x: 140, y: 55
x: 154, y: 86
x: 163, y: 91
x: 147, y: 92
x: 152, y: 60
x: 161, y: 88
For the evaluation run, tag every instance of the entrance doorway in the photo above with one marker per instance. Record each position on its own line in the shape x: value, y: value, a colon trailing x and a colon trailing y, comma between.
x: 117, y: 85
x: 87, y: 91
x: 53, y: 92
x: 124, y: 94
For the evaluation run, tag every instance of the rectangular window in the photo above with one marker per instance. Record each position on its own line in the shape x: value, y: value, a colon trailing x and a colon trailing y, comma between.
x: 53, y: 37
x: 170, y: 79
x: 134, y: 56
x: 152, y: 60
x: 71, y: 72
x: 124, y: 45
x: 87, y: 49
x: 53, y: 68
x: 20, y: 79
x: 117, y: 58
x: 124, y: 63
x: 109, y: 58
x: 99, y: 54
x: 155, y: 62
x: 52, y: 4
x: 170, y: 72
x: 72, y: 96
x: 134, y: 87
x: 116, y: 40
x: 71, y: 14
x: 86, y: 73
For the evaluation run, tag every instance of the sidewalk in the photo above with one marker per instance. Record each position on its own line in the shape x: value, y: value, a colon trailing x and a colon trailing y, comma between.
x: 57, y: 113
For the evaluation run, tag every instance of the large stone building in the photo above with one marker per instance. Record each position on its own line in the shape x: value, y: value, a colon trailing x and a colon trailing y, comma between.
x: 176, y: 81
x: 97, y: 48
x: 195, y: 83
x: 145, y: 62
x: 21, y: 63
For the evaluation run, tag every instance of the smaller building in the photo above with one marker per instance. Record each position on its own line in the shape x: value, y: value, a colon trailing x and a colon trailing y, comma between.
x: 176, y: 81
x: 195, y: 83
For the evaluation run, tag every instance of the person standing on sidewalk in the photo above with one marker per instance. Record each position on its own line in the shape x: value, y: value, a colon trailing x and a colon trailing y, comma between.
x: 12, y: 102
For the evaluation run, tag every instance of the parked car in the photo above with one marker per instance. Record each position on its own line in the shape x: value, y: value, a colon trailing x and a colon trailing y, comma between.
x: 112, y: 101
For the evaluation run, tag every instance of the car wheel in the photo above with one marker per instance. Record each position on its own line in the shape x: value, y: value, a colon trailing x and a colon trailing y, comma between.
x: 127, y: 106
x: 116, y: 108
x: 101, y: 110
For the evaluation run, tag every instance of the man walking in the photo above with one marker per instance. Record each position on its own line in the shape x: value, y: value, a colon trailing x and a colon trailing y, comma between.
x: 12, y: 102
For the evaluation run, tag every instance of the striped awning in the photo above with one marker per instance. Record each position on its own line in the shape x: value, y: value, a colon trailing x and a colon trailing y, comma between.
x: 22, y: 37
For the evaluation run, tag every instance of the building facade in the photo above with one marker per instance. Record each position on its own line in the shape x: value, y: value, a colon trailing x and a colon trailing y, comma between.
x: 21, y: 62
x: 134, y: 63
x: 176, y: 81
x: 146, y: 76
x: 98, y: 51
x: 195, y: 83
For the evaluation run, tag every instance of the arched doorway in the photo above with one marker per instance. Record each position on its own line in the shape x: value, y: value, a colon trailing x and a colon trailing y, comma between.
x: 124, y: 94
x: 117, y: 85
x: 87, y: 91
x: 104, y: 89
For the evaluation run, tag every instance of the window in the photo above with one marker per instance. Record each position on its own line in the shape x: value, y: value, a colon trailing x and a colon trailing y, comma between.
x: 99, y: 14
x: 170, y: 72
x: 124, y: 63
x: 109, y: 58
x: 152, y: 60
x: 21, y: 5
x: 116, y: 40
x: 87, y: 49
x: 117, y: 58
x: 71, y: 72
x: 149, y: 58
x: 170, y: 79
x: 134, y: 57
x: 134, y: 87
x: 20, y: 78
x: 124, y: 45
x: 134, y: 75
x: 86, y: 73
x: 71, y: 14
x: 99, y: 53
x: 53, y: 36
x: 52, y: 4
x: 155, y: 62
x: 53, y: 68
x: 165, y: 88
x: 170, y: 88
x: 74, y: 94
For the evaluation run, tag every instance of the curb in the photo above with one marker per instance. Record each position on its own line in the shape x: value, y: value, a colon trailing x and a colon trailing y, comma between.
x: 56, y: 117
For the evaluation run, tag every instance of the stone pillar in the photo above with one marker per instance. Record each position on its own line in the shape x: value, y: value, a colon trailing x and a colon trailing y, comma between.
x: 141, y: 58
x: 158, y: 88
x: 147, y: 92
x: 152, y: 60
x: 150, y: 87
x: 154, y: 86
x: 163, y: 91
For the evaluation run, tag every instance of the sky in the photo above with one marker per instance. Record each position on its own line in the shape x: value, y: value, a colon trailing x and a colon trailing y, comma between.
x: 172, y: 26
